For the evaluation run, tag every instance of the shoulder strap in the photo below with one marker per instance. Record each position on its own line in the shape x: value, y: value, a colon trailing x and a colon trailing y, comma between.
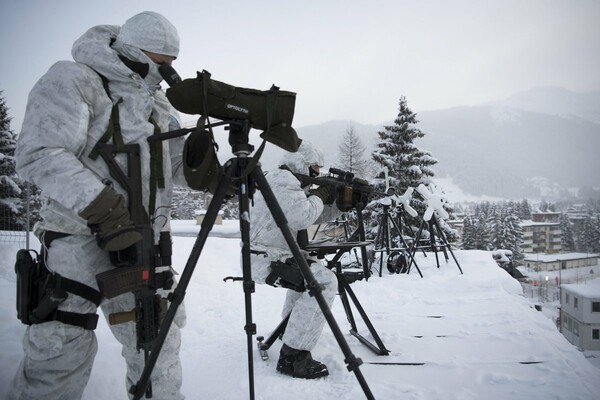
x: 113, y: 130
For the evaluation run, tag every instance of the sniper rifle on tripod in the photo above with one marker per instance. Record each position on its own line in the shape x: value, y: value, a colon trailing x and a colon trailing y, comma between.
x: 351, y: 192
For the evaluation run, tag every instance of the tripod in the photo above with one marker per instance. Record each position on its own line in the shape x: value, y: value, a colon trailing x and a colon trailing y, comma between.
x: 246, y: 174
x: 383, y: 241
x: 434, y: 228
x: 344, y: 291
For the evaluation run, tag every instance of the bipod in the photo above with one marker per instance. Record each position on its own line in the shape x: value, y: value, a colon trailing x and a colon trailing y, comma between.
x: 344, y: 290
x: 434, y: 228
x: 244, y: 173
x: 383, y: 243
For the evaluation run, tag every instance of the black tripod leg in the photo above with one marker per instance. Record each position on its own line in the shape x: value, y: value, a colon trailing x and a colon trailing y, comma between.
x: 266, y: 345
x: 176, y: 298
x: 312, y: 285
x: 432, y: 242
x: 445, y: 241
x: 248, y: 283
x: 415, y: 245
x: 407, y: 247
x: 380, y: 348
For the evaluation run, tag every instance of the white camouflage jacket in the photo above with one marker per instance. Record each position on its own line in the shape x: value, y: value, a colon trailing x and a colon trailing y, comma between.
x: 67, y: 112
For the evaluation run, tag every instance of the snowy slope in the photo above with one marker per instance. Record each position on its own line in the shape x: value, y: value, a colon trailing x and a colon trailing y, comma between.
x: 475, y: 334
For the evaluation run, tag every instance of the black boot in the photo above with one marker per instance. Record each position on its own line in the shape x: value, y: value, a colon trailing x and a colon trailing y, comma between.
x: 299, y: 364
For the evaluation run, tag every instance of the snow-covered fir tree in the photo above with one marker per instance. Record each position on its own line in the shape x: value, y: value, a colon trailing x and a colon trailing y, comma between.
x: 589, y: 236
x: 406, y: 164
x: 469, y: 235
x: 14, y: 192
x: 524, y: 210
x: 567, y: 237
x: 494, y: 226
x: 352, y: 154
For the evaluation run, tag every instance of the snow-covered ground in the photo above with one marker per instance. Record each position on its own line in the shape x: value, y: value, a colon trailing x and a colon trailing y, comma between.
x: 475, y: 335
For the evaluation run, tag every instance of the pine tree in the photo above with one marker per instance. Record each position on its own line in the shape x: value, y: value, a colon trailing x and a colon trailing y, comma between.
x: 352, y: 154
x: 567, y: 237
x: 524, y: 210
x: 407, y: 165
x: 11, y: 205
x: 469, y: 235
x: 14, y: 192
x: 495, y: 223
x: 513, y: 234
x: 589, y: 238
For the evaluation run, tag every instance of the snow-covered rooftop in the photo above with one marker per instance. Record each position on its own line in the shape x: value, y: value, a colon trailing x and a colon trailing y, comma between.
x: 451, y: 336
x: 591, y: 290
x: 546, y: 258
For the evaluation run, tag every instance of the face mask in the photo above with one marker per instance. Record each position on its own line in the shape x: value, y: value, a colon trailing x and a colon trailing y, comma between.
x: 153, y: 77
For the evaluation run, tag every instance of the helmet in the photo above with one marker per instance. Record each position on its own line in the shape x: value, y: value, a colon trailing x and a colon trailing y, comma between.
x: 151, y: 32
x: 308, y: 154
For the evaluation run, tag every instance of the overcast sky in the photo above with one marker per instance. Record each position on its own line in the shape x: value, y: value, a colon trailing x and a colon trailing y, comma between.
x: 345, y: 59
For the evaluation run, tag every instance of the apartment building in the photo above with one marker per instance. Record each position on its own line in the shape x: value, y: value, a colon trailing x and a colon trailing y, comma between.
x: 542, y: 234
x: 580, y: 314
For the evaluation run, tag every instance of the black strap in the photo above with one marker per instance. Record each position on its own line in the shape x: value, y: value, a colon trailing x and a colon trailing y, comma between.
x: 85, y: 321
x: 79, y: 289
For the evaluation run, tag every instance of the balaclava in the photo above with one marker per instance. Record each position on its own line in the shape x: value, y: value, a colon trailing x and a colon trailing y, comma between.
x: 299, y: 162
x: 151, y: 32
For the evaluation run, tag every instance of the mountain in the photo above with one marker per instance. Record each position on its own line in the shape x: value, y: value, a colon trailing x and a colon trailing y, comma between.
x: 556, y: 101
x: 535, y: 144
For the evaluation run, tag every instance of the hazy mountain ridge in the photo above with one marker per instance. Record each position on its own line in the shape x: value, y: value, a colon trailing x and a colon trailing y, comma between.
x: 505, y: 149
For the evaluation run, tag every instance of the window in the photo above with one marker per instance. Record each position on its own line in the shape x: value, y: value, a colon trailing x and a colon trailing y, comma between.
x: 595, y: 334
x: 595, y: 306
x: 567, y: 298
x: 575, y: 301
x: 576, y: 328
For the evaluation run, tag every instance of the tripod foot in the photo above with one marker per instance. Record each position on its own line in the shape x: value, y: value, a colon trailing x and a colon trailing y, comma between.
x: 262, y: 348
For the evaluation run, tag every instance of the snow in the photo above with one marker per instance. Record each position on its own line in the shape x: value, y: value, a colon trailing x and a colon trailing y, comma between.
x: 476, y: 334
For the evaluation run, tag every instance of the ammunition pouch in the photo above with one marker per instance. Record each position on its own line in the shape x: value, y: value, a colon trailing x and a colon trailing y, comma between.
x: 40, y: 292
x: 286, y: 274
x: 131, y: 274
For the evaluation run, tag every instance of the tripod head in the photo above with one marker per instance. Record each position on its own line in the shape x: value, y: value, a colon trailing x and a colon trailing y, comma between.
x: 239, y: 131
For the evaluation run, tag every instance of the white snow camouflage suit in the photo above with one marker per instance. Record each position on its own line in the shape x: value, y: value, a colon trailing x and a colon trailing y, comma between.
x: 67, y: 112
x: 301, y: 211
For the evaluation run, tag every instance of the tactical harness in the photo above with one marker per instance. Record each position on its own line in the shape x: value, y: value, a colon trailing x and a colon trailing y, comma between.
x: 39, y: 290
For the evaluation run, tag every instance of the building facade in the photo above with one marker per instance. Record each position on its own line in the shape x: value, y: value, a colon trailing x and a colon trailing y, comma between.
x: 542, y: 234
x: 554, y: 262
x: 580, y: 314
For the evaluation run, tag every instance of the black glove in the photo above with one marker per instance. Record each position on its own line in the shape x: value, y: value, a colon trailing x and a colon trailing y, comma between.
x: 108, y: 218
x: 324, y: 193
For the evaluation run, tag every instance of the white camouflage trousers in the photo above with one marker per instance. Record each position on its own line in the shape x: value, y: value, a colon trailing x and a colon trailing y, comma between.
x: 58, y: 358
x: 306, y: 319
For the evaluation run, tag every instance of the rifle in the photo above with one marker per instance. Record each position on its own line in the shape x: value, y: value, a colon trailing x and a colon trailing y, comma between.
x: 137, y: 265
x: 351, y: 192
